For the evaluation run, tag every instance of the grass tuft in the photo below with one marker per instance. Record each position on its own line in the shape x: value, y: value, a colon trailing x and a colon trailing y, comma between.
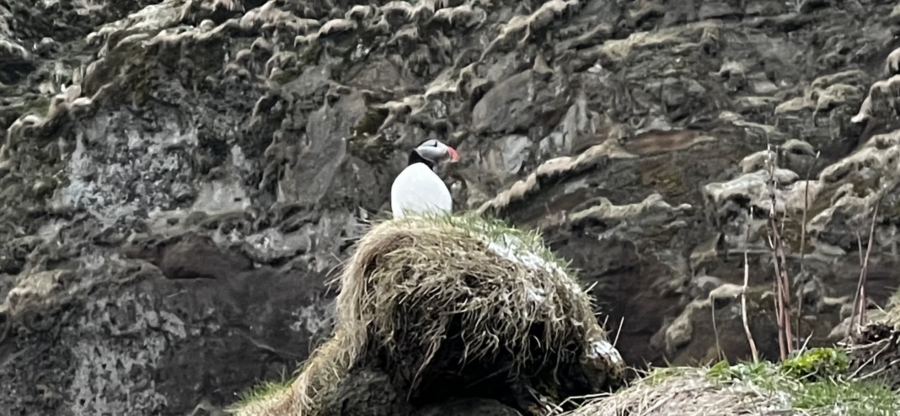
x: 262, y: 391
x: 817, y: 363
x: 522, y: 243
x: 812, y: 383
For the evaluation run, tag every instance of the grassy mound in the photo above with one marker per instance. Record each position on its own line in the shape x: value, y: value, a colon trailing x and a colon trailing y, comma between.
x: 814, y: 383
x: 444, y: 301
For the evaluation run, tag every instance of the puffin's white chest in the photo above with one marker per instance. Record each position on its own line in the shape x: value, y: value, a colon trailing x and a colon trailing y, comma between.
x: 418, y: 190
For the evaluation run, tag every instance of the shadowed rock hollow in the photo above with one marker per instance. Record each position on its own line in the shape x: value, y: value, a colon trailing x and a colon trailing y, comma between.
x: 178, y: 178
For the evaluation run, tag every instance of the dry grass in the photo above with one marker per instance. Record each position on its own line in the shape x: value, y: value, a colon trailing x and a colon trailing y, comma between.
x: 674, y: 392
x: 892, y: 316
x: 319, y: 374
x: 779, y: 262
x: 875, y: 349
x: 811, y: 384
x: 410, y: 277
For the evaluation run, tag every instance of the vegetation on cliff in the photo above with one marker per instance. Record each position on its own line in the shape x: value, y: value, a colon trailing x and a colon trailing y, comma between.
x: 814, y: 382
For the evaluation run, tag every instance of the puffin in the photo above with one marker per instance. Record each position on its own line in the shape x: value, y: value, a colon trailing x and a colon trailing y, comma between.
x: 418, y: 189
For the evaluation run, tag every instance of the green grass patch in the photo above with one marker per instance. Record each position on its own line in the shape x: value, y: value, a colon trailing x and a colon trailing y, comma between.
x: 264, y: 390
x: 812, y: 383
x: 815, y: 381
x: 817, y: 363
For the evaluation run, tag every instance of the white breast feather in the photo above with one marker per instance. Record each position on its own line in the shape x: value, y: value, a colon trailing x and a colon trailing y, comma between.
x: 418, y: 190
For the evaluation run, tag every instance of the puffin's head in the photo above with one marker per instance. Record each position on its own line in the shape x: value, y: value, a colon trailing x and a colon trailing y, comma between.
x: 433, y: 153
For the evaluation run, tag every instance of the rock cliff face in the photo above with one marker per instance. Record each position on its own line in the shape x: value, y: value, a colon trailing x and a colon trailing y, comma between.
x: 179, y: 179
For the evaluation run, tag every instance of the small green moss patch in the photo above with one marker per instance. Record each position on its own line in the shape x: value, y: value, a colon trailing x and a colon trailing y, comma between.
x: 817, y: 363
x: 815, y: 381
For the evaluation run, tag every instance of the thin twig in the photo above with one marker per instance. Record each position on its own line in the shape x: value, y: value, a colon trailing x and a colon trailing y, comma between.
x: 782, y: 282
x: 618, y: 331
x: 712, y: 308
x: 803, y: 241
x: 786, y: 292
x: 853, y: 312
x: 864, y: 270
x: 859, y: 298
x: 889, y: 366
x: 871, y: 359
x: 805, y: 212
x: 779, y: 317
x: 744, y: 293
x: 770, y: 226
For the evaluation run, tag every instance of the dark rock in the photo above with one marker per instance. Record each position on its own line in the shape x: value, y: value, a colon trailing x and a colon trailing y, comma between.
x: 178, y: 179
x: 469, y: 407
x: 507, y: 106
x: 366, y: 391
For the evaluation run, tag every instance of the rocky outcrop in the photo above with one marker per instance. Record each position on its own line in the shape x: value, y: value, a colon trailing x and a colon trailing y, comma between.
x: 179, y: 178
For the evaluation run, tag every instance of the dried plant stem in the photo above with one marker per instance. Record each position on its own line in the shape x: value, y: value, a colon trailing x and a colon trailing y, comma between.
x: 744, y: 294
x: 803, y: 241
x: 782, y: 295
x: 782, y: 282
x: 779, y: 306
x: 805, y: 212
x: 853, y: 312
x: 864, y: 270
x: 785, y: 293
x: 719, y: 354
x: 859, y: 298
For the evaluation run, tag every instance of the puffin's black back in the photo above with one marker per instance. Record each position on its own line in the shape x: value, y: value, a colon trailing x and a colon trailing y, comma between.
x: 415, y: 157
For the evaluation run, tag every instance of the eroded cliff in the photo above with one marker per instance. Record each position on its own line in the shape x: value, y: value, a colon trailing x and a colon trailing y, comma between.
x: 179, y: 178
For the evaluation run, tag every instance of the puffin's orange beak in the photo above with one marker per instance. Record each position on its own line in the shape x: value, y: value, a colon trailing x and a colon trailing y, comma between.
x: 454, y: 157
